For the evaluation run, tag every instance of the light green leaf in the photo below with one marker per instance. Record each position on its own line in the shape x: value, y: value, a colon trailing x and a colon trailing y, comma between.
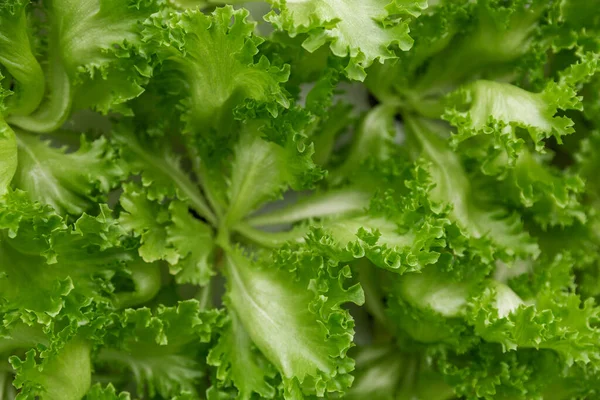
x: 290, y: 319
x: 211, y: 58
x: 322, y: 205
x: 63, y: 376
x: 364, y: 31
x: 432, y: 290
x: 387, y: 244
x: 497, y: 109
x: 148, y: 220
x: 262, y: 170
x: 501, y: 230
x: 193, y: 242
x: 473, y: 39
x: 551, y: 195
x: 69, y: 182
x: 239, y: 362
x: 170, y: 233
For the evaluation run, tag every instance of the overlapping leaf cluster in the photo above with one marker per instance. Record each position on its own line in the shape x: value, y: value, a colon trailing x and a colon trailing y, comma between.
x: 439, y: 237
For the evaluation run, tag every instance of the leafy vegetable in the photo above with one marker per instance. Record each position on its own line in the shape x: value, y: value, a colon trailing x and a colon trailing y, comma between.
x: 387, y: 199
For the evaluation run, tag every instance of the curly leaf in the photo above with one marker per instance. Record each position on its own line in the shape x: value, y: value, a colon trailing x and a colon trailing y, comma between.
x: 344, y: 24
x: 94, y: 59
x: 211, y: 59
x: 69, y: 182
x: 296, y: 320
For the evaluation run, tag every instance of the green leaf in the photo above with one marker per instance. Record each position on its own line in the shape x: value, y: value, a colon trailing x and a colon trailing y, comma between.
x: 70, y: 182
x: 159, y: 165
x: 489, y: 39
x: 169, y: 233
x: 162, y: 349
x: 148, y: 220
x: 17, y: 55
x: 146, y: 279
x: 321, y: 205
x: 588, y: 163
x: 292, y: 314
x: 488, y: 372
x: 97, y: 392
x: 383, y: 372
x: 193, y: 243
x: 387, y: 244
x: 582, y: 242
x: 343, y: 25
x: 328, y: 129
x: 378, y: 373
x: 93, y: 59
x: 547, y: 317
x: 240, y: 363
x: 498, y: 109
x: 550, y: 195
x: 211, y: 58
x: 49, y: 267
x: 496, y: 230
x: 63, y: 376
x: 8, y: 155
x: 263, y: 170
x: 374, y: 138
x: 262, y: 193
x: 433, y: 291
x: 36, y: 221
x: 557, y: 321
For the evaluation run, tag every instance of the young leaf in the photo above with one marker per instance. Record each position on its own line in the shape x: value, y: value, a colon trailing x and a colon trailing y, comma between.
x: 262, y: 170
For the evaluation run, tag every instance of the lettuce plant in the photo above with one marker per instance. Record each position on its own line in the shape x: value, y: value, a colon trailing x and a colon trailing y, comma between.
x: 374, y: 199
